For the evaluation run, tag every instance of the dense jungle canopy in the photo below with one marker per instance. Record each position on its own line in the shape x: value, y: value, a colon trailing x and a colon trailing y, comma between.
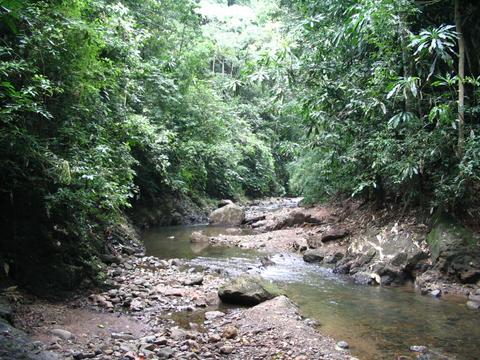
x: 110, y: 106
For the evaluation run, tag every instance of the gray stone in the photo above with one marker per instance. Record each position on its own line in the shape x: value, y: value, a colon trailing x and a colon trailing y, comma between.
x: 122, y: 336
x: 62, y: 334
x: 165, y: 353
x: 343, y: 345
x: 436, y: 293
x: 334, y: 234
x: 313, y: 256
x: 247, y: 290
x: 194, y: 280
x: 198, y: 237
x: 230, y: 214
x: 211, y: 315
x: 419, y: 348
x: 473, y: 305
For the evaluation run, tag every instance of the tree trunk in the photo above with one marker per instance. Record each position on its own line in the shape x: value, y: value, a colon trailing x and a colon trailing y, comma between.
x: 461, y: 77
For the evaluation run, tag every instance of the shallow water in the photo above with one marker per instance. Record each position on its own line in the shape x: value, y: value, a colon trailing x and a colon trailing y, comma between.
x: 377, y: 322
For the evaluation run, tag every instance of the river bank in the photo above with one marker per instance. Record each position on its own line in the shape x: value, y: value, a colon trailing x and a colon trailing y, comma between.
x: 134, y: 319
x: 166, y: 307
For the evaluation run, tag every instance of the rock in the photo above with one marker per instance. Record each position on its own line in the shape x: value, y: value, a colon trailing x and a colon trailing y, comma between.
x: 230, y: 214
x: 62, y: 334
x: 230, y: 332
x: 194, y: 280
x: 129, y: 250
x: 266, y: 261
x: 224, y: 202
x: 165, y: 353
x: 473, y: 305
x: 137, y: 305
x: 334, y: 234
x: 455, y: 250
x: 363, y: 278
x: 84, y: 355
x: 211, y: 315
x: 436, y: 293
x: 110, y: 259
x: 247, y: 290
x: 474, y: 297
x: 333, y: 258
x: 470, y: 276
x: 227, y: 349
x: 214, y: 338
x: 313, y: 256
x: 6, y: 310
x: 198, y: 237
x: 233, y: 231
x: 122, y: 336
x: 342, y: 345
x: 178, y: 334
x: 419, y: 348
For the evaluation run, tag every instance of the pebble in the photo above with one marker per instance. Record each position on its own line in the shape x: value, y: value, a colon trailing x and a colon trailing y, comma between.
x: 436, y: 293
x: 342, y: 345
x: 211, y: 315
x: 122, y: 336
x: 226, y: 349
x: 419, y: 348
x: 230, y: 332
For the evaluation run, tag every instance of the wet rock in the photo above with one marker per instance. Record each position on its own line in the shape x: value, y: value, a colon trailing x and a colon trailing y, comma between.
x: 266, y: 261
x: 342, y: 345
x: 230, y: 214
x: 334, y: 234
x: 436, y: 293
x: 198, y: 237
x: 211, y: 315
x: 473, y: 305
x: 247, y: 290
x: 62, y: 334
x: 313, y: 256
x: 363, y: 278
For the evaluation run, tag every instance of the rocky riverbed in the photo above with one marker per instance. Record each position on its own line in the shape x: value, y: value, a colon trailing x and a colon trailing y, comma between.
x: 134, y: 320
x: 373, y: 247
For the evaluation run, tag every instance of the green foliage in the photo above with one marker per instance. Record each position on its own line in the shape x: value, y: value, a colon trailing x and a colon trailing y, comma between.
x: 379, y: 102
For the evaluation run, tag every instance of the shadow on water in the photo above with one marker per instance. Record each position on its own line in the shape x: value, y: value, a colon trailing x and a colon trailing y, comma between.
x: 379, y: 323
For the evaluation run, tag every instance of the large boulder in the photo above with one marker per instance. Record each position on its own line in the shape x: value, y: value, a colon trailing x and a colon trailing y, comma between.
x: 198, y: 237
x: 230, y: 214
x: 247, y: 290
x: 455, y: 250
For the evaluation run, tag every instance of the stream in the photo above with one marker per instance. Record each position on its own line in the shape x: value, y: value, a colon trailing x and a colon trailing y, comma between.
x: 377, y: 322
